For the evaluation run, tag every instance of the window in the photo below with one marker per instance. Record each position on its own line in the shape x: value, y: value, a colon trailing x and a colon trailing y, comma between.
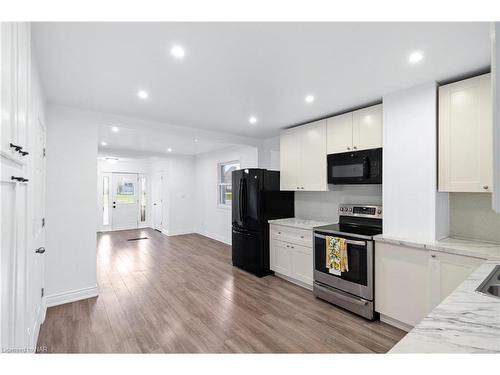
x: 105, y: 200
x: 143, y: 199
x: 225, y: 191
x: 125, y: 190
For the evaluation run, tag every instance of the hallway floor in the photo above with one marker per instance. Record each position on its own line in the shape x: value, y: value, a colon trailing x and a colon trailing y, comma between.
x: 182, y: 295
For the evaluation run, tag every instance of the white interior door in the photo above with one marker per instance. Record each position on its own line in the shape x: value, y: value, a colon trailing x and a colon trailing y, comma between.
x: 35, y: 256
x: 125, y: 204
x: 157, y: 189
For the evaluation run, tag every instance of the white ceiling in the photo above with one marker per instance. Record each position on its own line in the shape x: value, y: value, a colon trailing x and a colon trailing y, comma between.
x: 234, y: 70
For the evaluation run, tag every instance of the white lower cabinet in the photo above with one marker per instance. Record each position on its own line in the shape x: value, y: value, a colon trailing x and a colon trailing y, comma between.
x: 291, y: 254
x: 402, y: 283
x: 410, y: 282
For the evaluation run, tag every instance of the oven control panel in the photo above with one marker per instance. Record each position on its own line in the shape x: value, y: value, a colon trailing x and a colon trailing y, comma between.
x: 374, y: 212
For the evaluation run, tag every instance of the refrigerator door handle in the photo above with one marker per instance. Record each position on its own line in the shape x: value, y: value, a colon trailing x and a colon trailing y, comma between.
x: 240, y: 201
x: 245, y: 200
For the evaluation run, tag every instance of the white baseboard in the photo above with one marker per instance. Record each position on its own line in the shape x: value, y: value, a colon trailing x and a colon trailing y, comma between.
x: 71, y: 296
x: 395, y: 323
x: 216, y: 237
x: 176, y: 232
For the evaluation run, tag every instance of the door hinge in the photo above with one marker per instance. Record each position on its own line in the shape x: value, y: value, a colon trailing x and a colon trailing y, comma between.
x: 43, y: 152
x: 43, y: 292
x: 43, y: 222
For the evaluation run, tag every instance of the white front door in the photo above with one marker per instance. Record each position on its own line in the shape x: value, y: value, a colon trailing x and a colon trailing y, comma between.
x: 157, y: 189
x: 125, y: 201
x: 35, y: 256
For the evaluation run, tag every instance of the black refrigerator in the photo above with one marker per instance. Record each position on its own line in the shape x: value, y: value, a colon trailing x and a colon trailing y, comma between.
x: 256, y: 198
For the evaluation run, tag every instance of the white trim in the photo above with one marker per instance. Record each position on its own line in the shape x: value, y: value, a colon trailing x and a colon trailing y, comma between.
x: 71, y: 296
x: 216, y: 237
x: 293, y: 281
x: 170, y: 233
x: 395, y: 323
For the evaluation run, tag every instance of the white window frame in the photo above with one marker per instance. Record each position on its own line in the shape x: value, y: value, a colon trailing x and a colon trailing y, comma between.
x: 220, y: 183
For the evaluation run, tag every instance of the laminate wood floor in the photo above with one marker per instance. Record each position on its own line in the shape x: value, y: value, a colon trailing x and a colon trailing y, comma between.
x: 182, y: 295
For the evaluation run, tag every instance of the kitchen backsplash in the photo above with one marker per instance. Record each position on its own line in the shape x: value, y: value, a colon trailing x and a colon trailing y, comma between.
x: 323, y: 205
x: 471, y: 216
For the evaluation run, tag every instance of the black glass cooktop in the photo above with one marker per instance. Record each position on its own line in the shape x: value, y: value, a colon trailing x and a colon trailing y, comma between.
x: 366, y: 231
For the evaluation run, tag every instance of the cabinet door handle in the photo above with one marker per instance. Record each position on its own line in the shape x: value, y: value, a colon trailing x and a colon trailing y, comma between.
x: 40, y: 250
x: 16, y: 147
x: 348, y: 148
x: 433, y: 255
x: 485, y: 187
x: 354, y: 148
x: 16, y: 178
x: 24, y: 153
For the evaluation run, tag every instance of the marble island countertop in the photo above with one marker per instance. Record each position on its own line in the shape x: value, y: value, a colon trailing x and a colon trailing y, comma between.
x: 465, y: 322
x: 478, y: 249
x: 296, y: 222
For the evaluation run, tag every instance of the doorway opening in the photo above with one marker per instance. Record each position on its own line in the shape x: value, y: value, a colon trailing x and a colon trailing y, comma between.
x: 123, y: 201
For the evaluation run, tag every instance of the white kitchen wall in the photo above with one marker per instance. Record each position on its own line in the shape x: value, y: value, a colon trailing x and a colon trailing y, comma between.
x: 495, y: 72
x: 210, y: 219
x: 413, y: 208
x: 471, y: 216
x: 269, y: 154
x: 324, y: 205
x: 71, y: 208
x: 178, y: 194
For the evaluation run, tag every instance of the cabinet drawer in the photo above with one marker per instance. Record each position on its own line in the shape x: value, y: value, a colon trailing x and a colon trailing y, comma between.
x: 296, y: 236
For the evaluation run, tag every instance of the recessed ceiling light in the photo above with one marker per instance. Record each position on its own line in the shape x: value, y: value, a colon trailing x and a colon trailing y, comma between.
x: 309, y: 99
x: 142, y: 94
x: 415, y: 57
x: 196, y: 139
x: 177, y: 51
x: 169, y: 149
x: 111, y: 160
x: 104, y: 144
x: 252, y: 120
x: 115, y: 129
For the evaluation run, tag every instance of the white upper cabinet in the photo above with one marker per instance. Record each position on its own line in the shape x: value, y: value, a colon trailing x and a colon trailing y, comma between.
x: 14, y: 83
x: 303, y: 157
x: 313, y: 156
x: 367, y: 128
x: 465, y: 136
x: 339, y: 133
x: 358, y: 130
x: 290, y: 159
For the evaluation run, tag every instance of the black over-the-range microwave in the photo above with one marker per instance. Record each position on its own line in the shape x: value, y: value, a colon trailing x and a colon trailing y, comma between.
x: 355, y: 167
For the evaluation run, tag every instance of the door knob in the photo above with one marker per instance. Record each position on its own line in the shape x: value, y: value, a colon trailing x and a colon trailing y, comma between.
x: 40, y: 250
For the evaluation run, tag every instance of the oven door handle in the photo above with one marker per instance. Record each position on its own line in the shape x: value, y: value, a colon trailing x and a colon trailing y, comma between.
x: 350, y: 242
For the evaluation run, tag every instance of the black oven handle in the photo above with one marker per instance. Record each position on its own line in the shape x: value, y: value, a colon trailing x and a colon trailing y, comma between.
x: 349, y: 242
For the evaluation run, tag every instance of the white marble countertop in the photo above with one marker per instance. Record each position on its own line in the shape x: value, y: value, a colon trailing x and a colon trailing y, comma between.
x: 296, y: 222
x: 465, y: 322
x: 478, y: 249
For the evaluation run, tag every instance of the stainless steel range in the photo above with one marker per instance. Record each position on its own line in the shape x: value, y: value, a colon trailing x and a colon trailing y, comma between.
x: 352, y: 289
